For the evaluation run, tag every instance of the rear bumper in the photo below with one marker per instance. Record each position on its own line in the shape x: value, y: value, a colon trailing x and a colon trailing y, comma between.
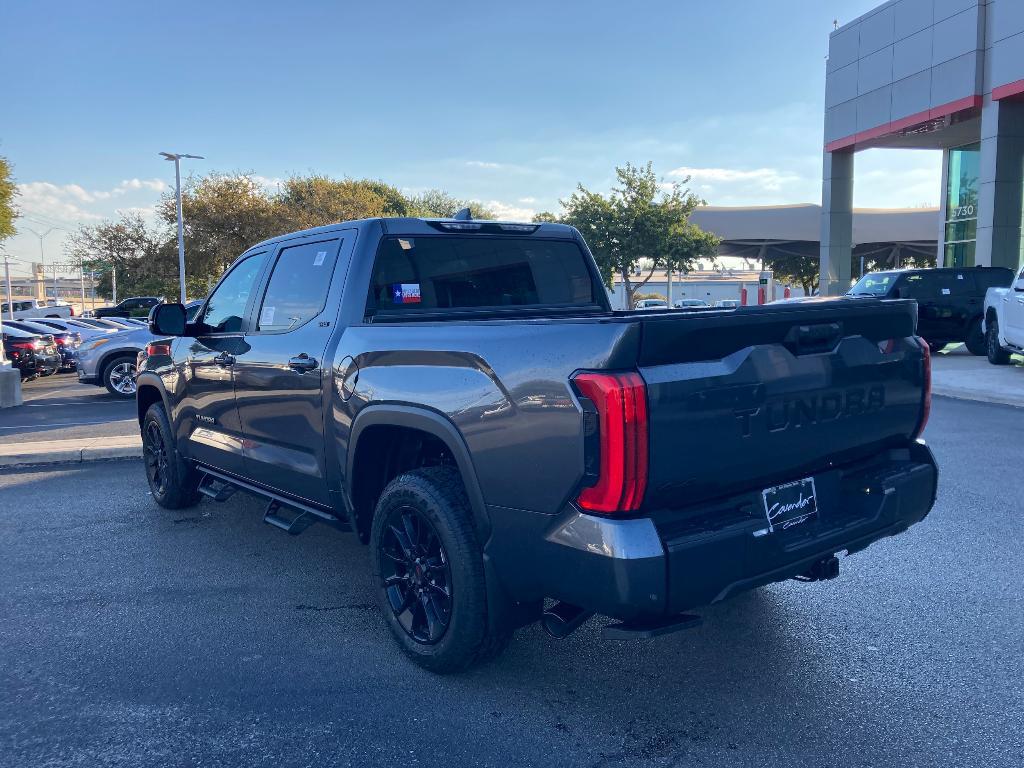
x: 675, y: 561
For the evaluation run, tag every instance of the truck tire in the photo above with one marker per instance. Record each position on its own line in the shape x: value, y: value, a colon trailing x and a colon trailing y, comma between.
x: 996, y: 354
x: 429, y: 572
x: 976, y: 342
x: 172, y: 481
x: 119, y: 376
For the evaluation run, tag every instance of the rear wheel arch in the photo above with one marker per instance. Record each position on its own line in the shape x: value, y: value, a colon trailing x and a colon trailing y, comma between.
x: 384, y: 443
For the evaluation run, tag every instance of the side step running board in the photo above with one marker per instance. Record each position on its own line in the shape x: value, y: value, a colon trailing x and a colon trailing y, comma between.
x: 293, y: 526
x: 215, y: 488
x: 219, y: 487
x: 645, y: 630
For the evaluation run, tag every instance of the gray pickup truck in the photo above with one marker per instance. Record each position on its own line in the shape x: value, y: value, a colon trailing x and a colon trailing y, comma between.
x: 460, y: 395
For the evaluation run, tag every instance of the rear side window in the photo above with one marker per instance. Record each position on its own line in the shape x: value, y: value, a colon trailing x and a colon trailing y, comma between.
x: 477, y: 272
x: 298, y: 286
x: 925, y: 285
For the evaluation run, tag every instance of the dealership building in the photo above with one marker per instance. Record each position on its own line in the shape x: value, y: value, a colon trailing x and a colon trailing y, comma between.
x: 930, y: 74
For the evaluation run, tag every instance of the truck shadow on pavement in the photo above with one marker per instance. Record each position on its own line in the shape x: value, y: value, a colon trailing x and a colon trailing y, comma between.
x: 179, y: 609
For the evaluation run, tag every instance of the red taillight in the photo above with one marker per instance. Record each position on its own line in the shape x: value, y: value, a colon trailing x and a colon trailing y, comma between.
x: 27, y: 345
x: 621, y: 403
x: 154, y: 349
x: 926, y: 404
x: 72, y: 311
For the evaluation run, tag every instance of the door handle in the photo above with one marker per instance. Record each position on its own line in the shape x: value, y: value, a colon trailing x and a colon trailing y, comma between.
x: 224, y: 359
x: 303, y: 363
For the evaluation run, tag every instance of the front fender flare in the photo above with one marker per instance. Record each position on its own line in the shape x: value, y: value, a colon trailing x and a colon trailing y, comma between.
x: 150, y: 379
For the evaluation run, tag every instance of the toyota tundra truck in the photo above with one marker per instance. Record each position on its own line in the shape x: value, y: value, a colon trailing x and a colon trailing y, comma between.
x: 460, y: 396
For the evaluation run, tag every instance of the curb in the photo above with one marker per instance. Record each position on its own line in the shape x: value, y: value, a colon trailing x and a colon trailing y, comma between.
x: 972, y: 395
x: 69, y: 451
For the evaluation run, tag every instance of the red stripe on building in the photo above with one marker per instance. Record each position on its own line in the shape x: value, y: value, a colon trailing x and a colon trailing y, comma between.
x: 1008, y: 91
x: 904, y: 123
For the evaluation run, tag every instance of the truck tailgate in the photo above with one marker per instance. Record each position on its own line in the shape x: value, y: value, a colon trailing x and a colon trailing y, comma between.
x: 752, y: 398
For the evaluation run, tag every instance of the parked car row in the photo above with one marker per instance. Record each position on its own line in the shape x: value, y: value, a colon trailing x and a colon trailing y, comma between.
x: 42, y: 346
x: 110, y: 359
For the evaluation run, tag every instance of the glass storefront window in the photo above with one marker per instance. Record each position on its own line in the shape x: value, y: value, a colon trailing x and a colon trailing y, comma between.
x: 962, y: 205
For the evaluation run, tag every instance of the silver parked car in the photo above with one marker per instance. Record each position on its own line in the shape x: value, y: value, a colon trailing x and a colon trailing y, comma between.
x: 109, y: 359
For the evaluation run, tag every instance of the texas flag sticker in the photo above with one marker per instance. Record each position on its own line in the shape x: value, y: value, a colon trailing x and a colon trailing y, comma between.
x: 405, y: 293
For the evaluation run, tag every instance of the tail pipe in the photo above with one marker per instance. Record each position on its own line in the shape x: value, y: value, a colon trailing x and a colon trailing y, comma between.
x: 562, y: 619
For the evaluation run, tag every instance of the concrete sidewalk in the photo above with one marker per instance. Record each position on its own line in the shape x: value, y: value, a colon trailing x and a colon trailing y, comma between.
x: 958, y: 373
x: 70, y: 451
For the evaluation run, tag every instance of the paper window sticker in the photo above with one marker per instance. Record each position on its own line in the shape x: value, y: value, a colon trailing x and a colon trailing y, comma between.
x: 945, y: 291
x: 319, y: 260
x: 959, y: 277
x: 267, y: 316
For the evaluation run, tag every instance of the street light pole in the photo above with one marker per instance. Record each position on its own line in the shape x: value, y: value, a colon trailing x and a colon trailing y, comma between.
x: 177, y: 158
x: 10, y: 310
x: 42, y: 258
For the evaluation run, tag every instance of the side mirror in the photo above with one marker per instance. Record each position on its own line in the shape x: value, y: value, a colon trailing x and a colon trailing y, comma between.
x: 904, y: 292
x: 167, y: 320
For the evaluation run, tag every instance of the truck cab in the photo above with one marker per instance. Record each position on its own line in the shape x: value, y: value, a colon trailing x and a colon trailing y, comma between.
x: 1004, y: 321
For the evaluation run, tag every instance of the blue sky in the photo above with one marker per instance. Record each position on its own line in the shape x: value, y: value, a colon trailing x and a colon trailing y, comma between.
x: 511, y: 104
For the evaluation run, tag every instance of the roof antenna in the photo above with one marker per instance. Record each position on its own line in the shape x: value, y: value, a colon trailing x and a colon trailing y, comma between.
x: 464, y: 215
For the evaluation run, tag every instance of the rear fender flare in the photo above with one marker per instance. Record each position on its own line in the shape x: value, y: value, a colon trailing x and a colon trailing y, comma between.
x: 434, y: 424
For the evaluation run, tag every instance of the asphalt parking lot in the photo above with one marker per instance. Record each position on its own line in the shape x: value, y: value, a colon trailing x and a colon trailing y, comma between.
x: 59, y: 408
x: 133, y: 636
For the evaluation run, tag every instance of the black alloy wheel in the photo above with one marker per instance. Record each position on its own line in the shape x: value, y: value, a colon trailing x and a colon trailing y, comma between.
x: 416, y: 575
x: 154, y: 453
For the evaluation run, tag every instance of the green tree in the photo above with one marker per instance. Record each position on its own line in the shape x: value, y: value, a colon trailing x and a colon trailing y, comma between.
x: 440, y: 205
x: 313, y: 201
x: 641, y: 220
x: 8, y: 191
x: 224, y: 215
x: 795, y: 268
x: 132, y: 249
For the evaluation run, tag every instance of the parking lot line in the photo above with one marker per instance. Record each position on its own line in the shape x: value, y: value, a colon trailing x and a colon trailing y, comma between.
x: 29, y: 427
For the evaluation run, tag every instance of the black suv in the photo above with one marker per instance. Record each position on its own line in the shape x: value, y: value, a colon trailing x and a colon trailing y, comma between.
x: 136, y: 306
x: 950, y: 301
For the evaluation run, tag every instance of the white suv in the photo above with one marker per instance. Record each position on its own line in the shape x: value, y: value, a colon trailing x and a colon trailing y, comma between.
x: 1004, y: 321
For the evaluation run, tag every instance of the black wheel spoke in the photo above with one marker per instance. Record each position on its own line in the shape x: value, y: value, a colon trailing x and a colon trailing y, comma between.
x: 403, y: 540
x: 440, y: 588
x: 433, y: 621
x: 415, y: 574
x: 411, y: 531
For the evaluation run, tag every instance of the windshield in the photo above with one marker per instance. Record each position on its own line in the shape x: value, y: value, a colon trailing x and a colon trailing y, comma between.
x: 875, y: 284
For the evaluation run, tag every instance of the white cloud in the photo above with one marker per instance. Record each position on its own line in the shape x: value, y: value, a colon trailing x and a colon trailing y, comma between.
x: 506, y: 212
x: 482, y: 164
x: 527, y: 200
x: 52, y: 201
x: 153, y: 185
x: 768, y: 179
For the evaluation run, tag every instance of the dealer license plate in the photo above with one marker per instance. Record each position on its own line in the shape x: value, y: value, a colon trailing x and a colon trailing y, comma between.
x: 789, y: 505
